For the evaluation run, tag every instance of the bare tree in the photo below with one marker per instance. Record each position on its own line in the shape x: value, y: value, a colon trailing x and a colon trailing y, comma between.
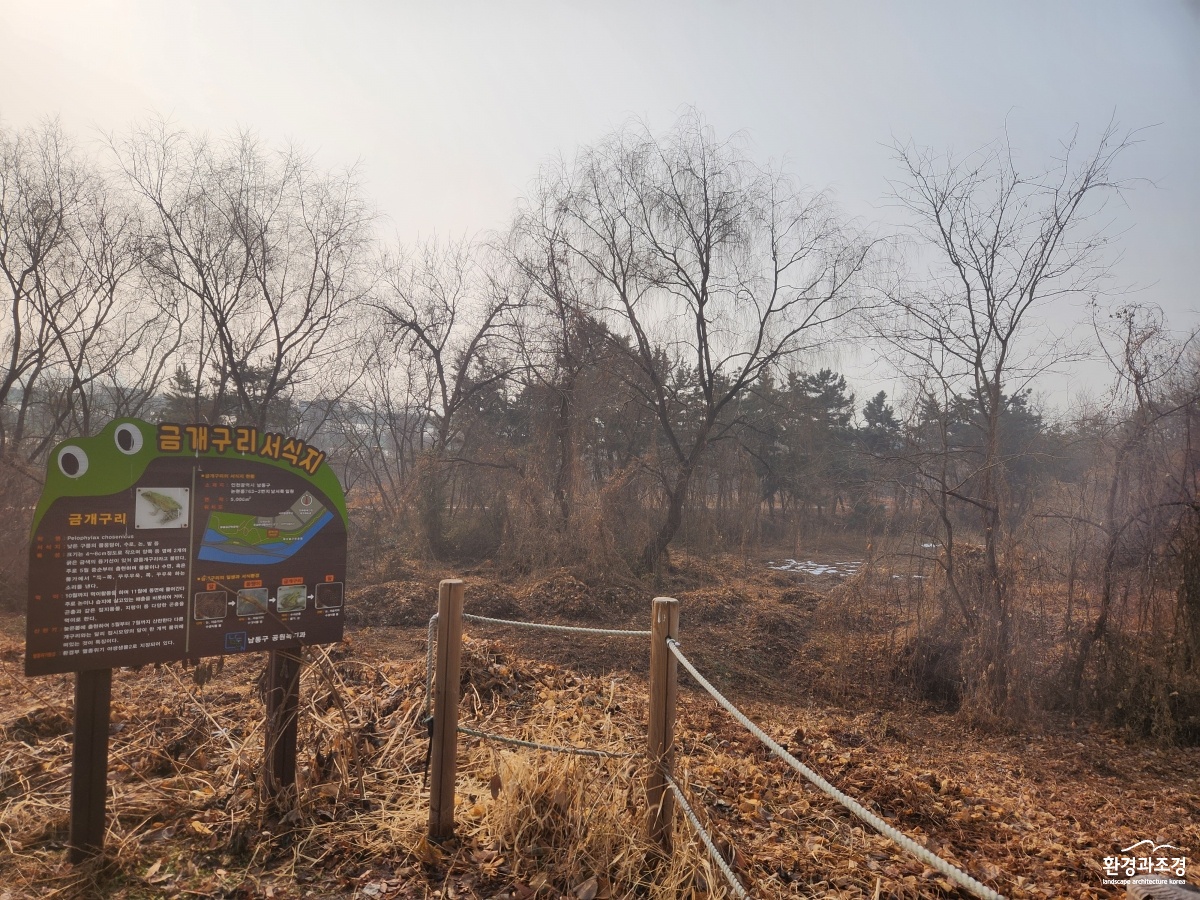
x: 43, y: 191
x: 271, y: 249
x: 77, y: 342
x: 70, y: 252
x: 385, y: 420
x: 559, y: 336
x: 452, y: 312
x: 1148, y: 411
x: 709, y: 270
x: 999, y: 246
x: 147, y: 344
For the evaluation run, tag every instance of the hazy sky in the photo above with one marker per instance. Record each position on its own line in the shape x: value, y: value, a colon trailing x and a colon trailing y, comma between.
x: 451, y: 107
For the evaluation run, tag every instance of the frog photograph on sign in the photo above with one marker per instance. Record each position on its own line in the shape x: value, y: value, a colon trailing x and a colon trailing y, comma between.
x: 161, y: 508
x: 155, y: 543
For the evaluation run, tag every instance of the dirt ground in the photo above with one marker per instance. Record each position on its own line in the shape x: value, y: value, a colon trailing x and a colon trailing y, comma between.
x: 1031, y: 812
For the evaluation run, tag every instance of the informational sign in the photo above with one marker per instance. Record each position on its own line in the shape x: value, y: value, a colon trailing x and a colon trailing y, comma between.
x: 154, y: 543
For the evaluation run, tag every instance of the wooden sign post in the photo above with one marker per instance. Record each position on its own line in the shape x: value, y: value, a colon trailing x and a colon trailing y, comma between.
x: 89, y: 763
x: 283, y: 703
x: 166, y: 543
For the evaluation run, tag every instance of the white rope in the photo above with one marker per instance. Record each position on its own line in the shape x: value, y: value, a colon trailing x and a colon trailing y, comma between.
x: 734, y: 884
x: 550, y: 748
x: 487, y: 735
x: 562, y: 629
x: 429, y: 665
x: 979, y: 890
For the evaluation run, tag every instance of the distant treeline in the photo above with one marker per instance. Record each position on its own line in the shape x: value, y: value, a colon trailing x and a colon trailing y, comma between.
x: 629, y: 365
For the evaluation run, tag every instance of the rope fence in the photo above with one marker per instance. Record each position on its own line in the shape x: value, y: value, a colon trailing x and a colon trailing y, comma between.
x: 548, y: 748
x: 561, y: 629
x: 440, y: 716
x: 865, y: 815
x: 706, y: 839
x: 429, y: 645
x: 505, y: 739
x: 446, y: 698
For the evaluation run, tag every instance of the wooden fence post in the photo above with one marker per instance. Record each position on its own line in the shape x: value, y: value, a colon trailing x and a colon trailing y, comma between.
x: 660, y: 801
x: 444, y: 743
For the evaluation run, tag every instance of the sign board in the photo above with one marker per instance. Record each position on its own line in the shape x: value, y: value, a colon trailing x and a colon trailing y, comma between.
x: 155, y: 543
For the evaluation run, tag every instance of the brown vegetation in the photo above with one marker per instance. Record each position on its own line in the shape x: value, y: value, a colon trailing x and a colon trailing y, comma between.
x: 1032, y: 812
x: 612, y: 398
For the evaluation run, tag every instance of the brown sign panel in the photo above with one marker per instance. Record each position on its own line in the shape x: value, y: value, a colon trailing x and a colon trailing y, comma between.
x: 161, y: 543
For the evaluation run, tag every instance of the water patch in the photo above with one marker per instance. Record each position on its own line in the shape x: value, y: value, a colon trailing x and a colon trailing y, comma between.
x: 811, y: 567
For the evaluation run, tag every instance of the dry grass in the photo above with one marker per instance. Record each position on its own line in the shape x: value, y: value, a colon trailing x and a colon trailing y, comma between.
x: 1031, y: 813
x: 187, y: 815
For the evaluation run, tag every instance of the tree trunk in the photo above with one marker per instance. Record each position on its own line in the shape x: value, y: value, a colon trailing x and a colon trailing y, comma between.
x: 656, y: 549
x: 564, y: 478
x: 996, y: 620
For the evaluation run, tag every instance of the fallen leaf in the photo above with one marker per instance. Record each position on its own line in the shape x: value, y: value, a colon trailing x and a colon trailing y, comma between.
x: 427, y: 852
x: 588, y: 889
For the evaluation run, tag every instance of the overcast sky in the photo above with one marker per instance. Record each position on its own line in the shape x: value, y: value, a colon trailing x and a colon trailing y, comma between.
x: 451, y: 107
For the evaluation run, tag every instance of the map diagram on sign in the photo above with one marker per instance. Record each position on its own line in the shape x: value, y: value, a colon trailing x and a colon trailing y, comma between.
x: 262, y: 540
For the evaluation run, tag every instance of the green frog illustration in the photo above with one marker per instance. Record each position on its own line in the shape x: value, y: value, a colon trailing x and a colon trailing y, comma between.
x: 105, y: 463
x: 115, y: 460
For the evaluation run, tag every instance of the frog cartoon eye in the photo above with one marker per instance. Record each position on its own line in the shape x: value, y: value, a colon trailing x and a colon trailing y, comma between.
x: 72, y: 461
x: 128, y: 439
